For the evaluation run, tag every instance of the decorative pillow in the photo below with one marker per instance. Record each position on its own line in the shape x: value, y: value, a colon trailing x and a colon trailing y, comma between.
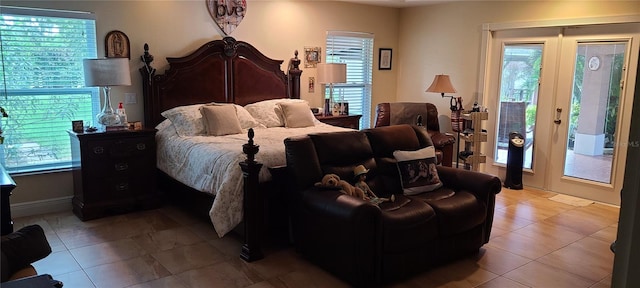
x: 268, y: 113
x: 186, y: 119
x: 220, y: 120
x: 246, y: 120
x: 296, y: 114
x: 418, y: 170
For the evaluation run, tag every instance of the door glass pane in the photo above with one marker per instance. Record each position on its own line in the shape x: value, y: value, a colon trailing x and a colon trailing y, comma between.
x: 519, y: 77
x: 594, y: 110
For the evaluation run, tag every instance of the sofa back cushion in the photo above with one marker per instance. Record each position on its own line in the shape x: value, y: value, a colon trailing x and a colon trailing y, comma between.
x: 340, y: 152
x: 407, y: 113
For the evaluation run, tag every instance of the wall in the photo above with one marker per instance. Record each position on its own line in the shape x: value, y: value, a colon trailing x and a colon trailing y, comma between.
x: 447, y: 39
x: 175, y: 28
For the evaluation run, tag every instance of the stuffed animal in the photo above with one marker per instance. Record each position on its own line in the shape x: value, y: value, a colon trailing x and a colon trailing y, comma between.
x: 333, y: 180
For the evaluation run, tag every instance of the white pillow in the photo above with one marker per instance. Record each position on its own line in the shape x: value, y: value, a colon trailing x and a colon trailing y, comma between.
x: 418, y: 171
x: 220, y: 120
x: 268, y: 113
x: 246, y: 120
x: 186, y: 119
x: 296, y: 114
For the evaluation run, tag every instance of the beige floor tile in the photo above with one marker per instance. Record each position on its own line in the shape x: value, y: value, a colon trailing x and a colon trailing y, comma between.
x: 536, y: 274
x: 189, y: 257
x: 108, y: 252
x: 552, y: 236
x: 167, y: 239
x: 166, y: 282
x: 230, y: 244
x: 77, y: 279
x: 604, y: 283
x: 608, y: 234
x: 504, y: 220
x: 57, y: 263
x: 502, y: 282
x: 311, y: 277
x: 589, y: 258
x: 584, y: 220
x: 126, y: 273
x: 219, y: 275
x: 462, y: 273
x: 522, y: 245
x: 498, y: 261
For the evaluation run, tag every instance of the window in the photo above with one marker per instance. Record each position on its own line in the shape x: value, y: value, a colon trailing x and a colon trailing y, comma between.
x: 356, y: 50
x: 42, y: 85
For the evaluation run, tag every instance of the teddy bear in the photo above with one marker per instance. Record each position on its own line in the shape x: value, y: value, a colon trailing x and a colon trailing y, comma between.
x: 333, y: 180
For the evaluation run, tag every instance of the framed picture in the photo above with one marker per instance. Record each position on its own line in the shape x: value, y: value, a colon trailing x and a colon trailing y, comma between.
x: 116, y: 45
x: 77, y: 126
x: 312, y: 84
x: 311, y: 57
x: 384, y: 59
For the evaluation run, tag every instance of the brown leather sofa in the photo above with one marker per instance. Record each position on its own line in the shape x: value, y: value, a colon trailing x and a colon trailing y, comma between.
x: 20, y: 249
x: 368, y: 245
x: 408, y: 113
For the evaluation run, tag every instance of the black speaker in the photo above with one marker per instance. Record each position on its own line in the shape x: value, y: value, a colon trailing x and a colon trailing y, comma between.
x: 515, y: 160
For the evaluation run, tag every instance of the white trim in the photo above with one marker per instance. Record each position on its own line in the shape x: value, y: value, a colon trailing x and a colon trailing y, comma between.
x: 562, y: 22
x: 47, y: 12
x: 41, y: 207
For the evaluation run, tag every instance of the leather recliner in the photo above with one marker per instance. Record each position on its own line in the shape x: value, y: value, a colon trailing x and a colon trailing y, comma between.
x: 369, y: 245
x: 412, y: 113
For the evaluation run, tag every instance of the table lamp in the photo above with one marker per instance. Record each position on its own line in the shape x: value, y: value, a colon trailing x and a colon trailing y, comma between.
x: 330, y: 73
x: 107, y: 72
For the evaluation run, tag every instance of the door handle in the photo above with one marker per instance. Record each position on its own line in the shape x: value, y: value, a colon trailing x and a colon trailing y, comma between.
x: 557, y: 120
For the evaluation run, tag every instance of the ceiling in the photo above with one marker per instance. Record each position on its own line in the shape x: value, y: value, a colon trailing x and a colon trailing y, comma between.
x: 400, y: 3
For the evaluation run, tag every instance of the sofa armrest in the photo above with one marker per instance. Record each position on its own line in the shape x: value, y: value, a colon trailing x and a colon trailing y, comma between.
x: 480, y: 184
x: 338, y: 232
x: 441, y: 139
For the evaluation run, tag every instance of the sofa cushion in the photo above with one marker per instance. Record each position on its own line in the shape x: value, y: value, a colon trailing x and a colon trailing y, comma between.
x: 418, y: 170
x: 460, y: 212
x: 385, y: 140
x: 409, y: 226
x: 340, y: 152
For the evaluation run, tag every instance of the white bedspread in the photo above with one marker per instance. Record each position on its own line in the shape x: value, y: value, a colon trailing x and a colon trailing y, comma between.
x: 211, y: 164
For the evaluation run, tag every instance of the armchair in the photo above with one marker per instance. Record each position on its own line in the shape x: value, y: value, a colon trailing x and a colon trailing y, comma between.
x: 421, y: 114
x: 20, y: 249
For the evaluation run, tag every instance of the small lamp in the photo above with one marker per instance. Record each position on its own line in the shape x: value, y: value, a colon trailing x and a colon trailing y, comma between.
x: 441, y: 84
x: 107, y: 72
x: 330, y: 73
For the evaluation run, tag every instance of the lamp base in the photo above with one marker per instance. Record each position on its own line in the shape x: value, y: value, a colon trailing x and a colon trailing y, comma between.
x: 108, y: 119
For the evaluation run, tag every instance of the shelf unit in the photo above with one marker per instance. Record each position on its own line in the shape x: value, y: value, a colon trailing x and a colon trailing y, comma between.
x: 471, y: 156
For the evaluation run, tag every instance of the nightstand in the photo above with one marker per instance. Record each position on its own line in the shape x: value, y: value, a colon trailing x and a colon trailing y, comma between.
x: 113, y: 172
x: 346, y: 121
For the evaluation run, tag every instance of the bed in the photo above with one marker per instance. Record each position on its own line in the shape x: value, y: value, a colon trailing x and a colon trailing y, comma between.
x: 213, y: 173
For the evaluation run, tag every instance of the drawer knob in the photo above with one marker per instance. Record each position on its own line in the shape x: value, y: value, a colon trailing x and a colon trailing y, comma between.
x: 121, y: 166
x: 98, y: 150
x: 141, y: 146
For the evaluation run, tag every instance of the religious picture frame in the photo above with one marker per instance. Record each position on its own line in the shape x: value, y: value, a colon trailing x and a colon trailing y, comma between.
x: 384, y: 59
x: 116, y: 45
x: 312, y: 57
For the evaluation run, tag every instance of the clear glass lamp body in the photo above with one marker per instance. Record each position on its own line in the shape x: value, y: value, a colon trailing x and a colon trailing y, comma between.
x: 107, y: 117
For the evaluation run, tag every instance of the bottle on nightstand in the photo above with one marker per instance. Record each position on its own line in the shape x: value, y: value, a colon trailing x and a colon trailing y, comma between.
x: 122, y: 113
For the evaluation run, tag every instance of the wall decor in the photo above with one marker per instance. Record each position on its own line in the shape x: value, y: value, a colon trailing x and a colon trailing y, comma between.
x: 312, y: 84
x: 227, y: 13
x: 384, y: 59
x: 311, y: 57
x: 116, y: 45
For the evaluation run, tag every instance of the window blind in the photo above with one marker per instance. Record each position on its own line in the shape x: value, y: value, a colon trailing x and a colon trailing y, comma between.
x: 356, y: 50
x: 42, y: 85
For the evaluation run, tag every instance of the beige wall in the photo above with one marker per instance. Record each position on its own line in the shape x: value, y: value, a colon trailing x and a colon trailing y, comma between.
x: 446, y: 39
x: 427, y: 40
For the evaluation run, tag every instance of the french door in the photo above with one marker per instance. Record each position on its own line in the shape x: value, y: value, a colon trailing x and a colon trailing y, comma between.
x: 568, y: 91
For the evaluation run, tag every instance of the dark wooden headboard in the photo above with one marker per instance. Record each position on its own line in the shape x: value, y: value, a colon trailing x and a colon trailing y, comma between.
x: 224, y: 71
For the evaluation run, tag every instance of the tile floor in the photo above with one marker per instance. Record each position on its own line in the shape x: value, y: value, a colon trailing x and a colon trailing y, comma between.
x: 535, y: 242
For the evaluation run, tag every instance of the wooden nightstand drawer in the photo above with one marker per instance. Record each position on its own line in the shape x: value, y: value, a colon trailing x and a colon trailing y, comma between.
x: 114, y: 172
x: 346, y: 121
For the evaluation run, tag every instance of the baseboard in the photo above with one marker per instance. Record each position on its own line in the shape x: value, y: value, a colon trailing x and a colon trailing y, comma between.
x: 41, y: 207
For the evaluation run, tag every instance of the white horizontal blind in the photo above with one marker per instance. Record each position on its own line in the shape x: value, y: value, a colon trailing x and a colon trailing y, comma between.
x: 356, y: 50
x: 42, y: 85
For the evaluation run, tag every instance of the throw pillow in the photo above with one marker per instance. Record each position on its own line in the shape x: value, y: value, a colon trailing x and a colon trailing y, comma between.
x: 268, y: 113
x: 418, y: 171
x: 246, y: 120
x: 186, y: 119
x: 296, y: 114
x: 220, y: 120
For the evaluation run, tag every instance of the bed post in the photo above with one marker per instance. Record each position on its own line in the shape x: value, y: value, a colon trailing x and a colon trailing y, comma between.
x: 250, y: 170
x: 293, y: 75
x: 147, y: 73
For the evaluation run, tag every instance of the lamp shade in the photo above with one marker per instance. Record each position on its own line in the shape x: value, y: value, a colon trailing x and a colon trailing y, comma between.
x: 106, y: 72
x: 329, y: 73
x: 441, y: 84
